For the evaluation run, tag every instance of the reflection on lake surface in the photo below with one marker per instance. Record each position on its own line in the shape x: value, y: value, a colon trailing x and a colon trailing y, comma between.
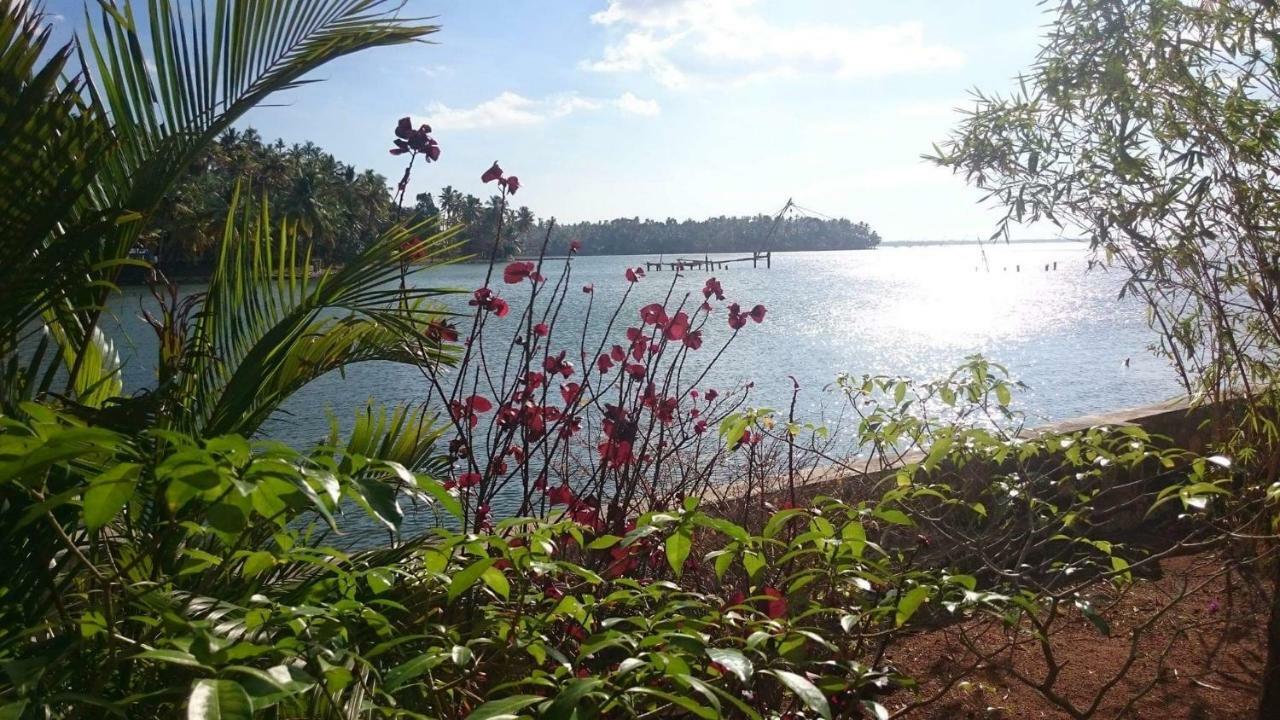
x: 913, y: 311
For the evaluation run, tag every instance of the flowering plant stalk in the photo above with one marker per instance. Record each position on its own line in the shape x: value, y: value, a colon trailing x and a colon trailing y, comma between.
x: 547, y: 418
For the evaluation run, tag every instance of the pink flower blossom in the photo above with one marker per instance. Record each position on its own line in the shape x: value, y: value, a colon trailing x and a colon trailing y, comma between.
x: 493, y: 173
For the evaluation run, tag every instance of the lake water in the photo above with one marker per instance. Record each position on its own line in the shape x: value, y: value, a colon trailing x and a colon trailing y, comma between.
x: 913, y: 311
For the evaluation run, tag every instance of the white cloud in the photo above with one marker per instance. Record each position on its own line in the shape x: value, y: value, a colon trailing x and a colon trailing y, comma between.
x: 510, y: 109
x: 433, y: 71
x: 629, y: 103
x: 676, y: 41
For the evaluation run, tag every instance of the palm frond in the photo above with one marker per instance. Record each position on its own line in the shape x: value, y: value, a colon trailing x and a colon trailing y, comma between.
x: 91, y: 147
x: 400, y: 434
x: 93, y: 367
x: 267, y: 326
x: 50, y: 216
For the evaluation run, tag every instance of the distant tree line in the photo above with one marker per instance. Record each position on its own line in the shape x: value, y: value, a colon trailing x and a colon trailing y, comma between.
x: 721, y: 234
x: 339, y: 209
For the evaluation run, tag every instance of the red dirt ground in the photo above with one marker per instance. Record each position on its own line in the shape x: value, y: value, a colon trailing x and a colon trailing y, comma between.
x: 1215, y: 648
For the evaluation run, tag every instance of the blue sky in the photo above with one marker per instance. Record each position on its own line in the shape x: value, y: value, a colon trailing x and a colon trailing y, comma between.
x: 682, y: 108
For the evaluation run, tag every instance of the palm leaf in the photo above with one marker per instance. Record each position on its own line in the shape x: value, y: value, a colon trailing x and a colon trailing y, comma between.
x: 91, y: 149
x: 267, y: 327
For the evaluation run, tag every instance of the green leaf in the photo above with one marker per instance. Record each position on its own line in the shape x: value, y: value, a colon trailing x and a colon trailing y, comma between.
x: 604, y: 542
x: 496, y: 581
x: 897, y: 517
x: 462, y: 581
x: 1091, y: 613
x: 678, y: 546
x: 258, y: 562
x: 397, y: 676
x: 461, y: 655
x: 566, y: 703
x: 733, y: 661
x: 176, y: 657
x: 733, y: 427
x: 507, y: 708
x: 779, y: 519
x: 753, y: 562
x: 728, y: 528
x: 380, y: 579
x: 1003, y: 396
x: 218, y: 700
x: 810, y: 695
x: 909, y: 603
x: 108, y: 493
x: 441, y: 496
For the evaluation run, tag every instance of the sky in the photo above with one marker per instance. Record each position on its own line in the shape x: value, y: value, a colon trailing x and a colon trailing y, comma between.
x: 680, y: 108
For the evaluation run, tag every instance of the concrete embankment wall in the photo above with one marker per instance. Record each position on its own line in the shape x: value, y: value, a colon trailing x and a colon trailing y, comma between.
x: 1185, y: 427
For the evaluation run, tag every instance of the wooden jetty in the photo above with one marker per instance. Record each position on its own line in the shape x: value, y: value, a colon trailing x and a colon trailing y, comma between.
x: 706, y: 263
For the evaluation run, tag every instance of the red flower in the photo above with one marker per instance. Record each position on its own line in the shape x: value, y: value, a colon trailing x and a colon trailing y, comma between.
x: 570, y: 427
x: 589, y: 288
x: 757, y: 313
x: 693, y: 340
x: 713, y: 288
x: 700, y: 427
x: 634, y: 274
x: 711, y: 395
x: 556, y: 364
x: 653, y: 314
x: 541, y: 330
x: 484, y: 298
x: 616, y: 453
x: 561, y: 495
x: 517, y: 272
x: 575, y: 246
x: 469, y: 479
x: 441, y: 331
x: 736, y: 319
x: 603, y: 363
x: 417, y: 141
x: 569, y: 391
x: 469, y: 409
x: 618, y: 354
x: 513, y: 184
x: 666, y: 411
x: 677, y: 328
x: 493, y: 173
x: 636, y: 371
x: 776, y: 606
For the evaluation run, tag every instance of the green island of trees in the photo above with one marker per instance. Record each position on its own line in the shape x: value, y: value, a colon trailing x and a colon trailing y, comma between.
x: 673, y: 551
x: 341, y: 210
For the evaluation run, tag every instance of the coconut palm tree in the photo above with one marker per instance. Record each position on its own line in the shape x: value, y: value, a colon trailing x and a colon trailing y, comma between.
x: 96, y: 134
x: 449, y: 204
x: 98, y: 131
